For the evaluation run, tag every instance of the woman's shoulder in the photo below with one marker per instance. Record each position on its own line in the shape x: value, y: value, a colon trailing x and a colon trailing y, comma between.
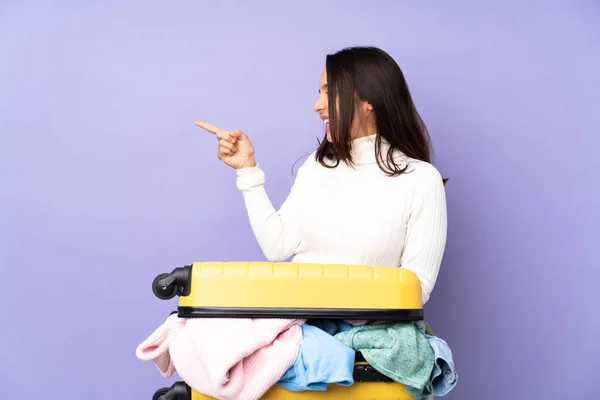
x: 417, y: 174
x: 424, y: 171
x: 307, y: 163
x: 303, y: 168
x: 424, y: 179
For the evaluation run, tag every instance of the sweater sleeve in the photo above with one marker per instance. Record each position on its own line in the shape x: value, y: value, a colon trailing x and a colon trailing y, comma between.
x: 426, y: 232
x: 275, y: 230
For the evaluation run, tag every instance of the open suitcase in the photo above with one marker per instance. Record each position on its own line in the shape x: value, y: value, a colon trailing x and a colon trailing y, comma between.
x: 292, y: 290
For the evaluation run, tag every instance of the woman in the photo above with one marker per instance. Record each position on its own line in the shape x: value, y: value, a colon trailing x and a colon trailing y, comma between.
x: 368, y: 195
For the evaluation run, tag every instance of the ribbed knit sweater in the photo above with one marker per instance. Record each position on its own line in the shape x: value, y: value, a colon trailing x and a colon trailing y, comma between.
x: 354, y: 214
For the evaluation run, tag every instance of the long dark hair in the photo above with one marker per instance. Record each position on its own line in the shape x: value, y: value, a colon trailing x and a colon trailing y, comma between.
x: 370, y: 74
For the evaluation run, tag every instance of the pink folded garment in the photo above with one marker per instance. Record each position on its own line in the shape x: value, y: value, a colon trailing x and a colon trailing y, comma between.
x: 156, y: 347
x: 225, y: 358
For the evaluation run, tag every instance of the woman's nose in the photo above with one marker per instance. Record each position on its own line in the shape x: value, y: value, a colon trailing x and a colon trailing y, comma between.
x: 319, y: 105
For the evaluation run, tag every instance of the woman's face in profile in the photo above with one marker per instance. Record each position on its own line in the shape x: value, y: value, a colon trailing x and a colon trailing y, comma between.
x: 321, y: 105
x: 359, y: 114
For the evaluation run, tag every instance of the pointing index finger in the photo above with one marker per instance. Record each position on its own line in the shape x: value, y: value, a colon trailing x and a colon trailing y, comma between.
x: 206, y: 126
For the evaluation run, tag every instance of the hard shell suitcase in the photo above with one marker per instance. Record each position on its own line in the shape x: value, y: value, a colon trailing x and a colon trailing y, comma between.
x: 293, y: 290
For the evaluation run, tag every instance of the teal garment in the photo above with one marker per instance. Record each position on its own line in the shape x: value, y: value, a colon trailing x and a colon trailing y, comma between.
x: 398, y: 350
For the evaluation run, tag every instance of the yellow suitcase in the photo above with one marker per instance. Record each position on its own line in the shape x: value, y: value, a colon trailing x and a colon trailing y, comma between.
x: 293, y: 290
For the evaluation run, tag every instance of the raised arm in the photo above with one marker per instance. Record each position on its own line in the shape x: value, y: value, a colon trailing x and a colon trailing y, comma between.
x: 274, y: 230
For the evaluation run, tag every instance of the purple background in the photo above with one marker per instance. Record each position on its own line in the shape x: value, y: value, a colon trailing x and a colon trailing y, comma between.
x: 106, y: 182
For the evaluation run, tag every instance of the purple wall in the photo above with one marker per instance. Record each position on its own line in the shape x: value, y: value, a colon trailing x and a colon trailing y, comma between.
x: 106, y: 182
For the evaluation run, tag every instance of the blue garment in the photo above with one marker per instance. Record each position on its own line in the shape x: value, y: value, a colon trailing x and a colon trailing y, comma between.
x: 322, y: 359
x: 444, y: 376
x: 331, y: 326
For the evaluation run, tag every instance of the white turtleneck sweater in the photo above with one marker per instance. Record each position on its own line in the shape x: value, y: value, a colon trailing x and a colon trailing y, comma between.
x: 354, y: 215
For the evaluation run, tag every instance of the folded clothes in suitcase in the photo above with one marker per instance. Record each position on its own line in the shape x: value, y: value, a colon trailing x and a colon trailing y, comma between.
x: 292, y: 290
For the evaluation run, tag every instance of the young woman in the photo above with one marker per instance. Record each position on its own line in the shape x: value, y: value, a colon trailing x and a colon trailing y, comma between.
x: 368, y: 195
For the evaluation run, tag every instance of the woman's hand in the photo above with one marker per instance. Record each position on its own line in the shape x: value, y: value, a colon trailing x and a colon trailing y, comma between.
x: 234, y: 148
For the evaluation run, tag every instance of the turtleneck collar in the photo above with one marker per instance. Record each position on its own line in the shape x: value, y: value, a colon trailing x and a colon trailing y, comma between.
x: 363, y: 149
